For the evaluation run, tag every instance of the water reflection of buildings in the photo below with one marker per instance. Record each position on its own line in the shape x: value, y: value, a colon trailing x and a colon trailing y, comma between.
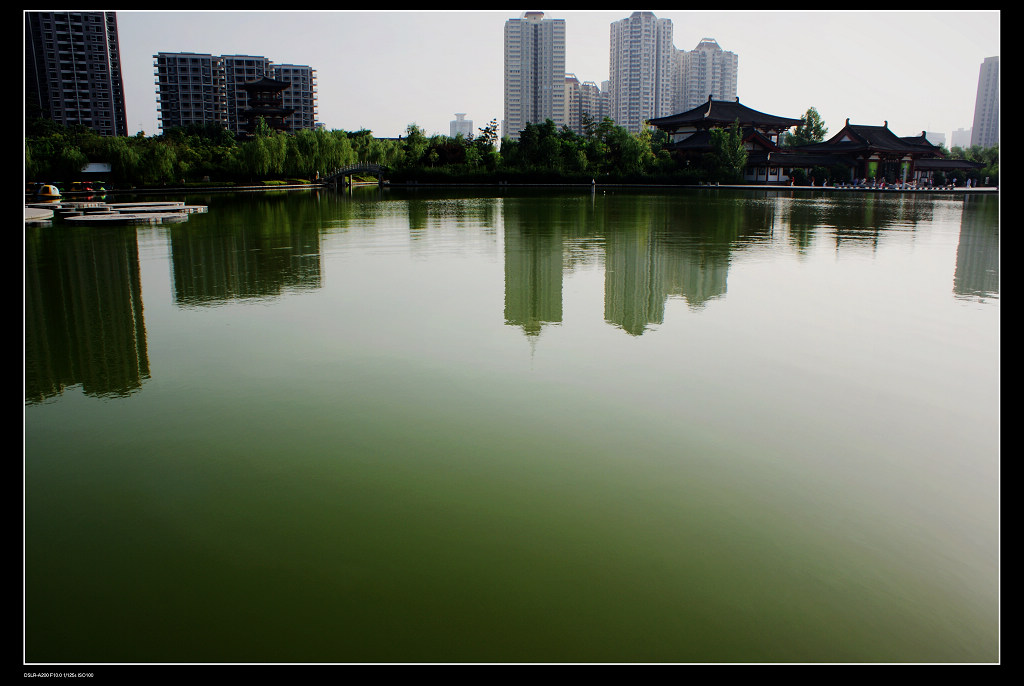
x: 655, y: 248
x: 663, y: 253
x: 977, y: 253
x: 644, y: 268
x: 209, y: 269
x: 83, y: 313
x: 699, y: 277
x: 533, y: 277
x: 634, y: 281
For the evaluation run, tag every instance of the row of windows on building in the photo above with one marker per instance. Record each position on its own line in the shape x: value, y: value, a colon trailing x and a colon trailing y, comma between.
x: 73, y: 76
x: 220, y: 81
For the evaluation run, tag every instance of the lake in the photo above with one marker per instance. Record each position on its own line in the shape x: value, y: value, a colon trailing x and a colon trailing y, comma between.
x: 711, y: 425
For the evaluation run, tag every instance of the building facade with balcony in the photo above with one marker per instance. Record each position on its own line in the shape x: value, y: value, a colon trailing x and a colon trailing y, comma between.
x: 642, y: 67
x: 190, y: 90
x: 207, y: 89
x: 73, y: 70
x: 534, y: 72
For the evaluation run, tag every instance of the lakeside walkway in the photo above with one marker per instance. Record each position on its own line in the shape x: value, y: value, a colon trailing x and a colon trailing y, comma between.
x: 504, y: 185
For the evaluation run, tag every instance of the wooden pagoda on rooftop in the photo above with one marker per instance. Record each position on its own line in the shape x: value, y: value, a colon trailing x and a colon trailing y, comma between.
x: 265, y: 100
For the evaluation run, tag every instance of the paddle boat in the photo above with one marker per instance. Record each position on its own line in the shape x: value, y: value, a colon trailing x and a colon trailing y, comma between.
x: 47, y: 191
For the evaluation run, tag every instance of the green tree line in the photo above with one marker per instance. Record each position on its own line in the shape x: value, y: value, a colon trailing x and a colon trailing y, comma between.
x: 975, y: 153
x: 191, y: 154
x: 211, y: 154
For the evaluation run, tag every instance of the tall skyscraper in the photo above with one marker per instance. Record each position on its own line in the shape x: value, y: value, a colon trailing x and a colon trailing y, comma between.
x: 534, y: 72
x: 707, y: 70
x: 985, y: 131
x: 641, y: 69
x: 73, y: 70
x: 208, y: 89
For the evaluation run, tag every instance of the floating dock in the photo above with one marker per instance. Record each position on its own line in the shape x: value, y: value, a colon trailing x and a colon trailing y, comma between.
x: 91, y: 212
x: 35, y: 215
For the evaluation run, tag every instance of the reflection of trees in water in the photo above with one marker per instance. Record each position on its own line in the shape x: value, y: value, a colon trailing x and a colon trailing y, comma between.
x: 83, y: 312
x: 977, y: 253
x: 255, y: 246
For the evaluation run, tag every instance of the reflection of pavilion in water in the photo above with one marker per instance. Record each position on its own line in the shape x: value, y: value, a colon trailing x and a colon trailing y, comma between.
x: 83, y: 313
x: 210, y: 269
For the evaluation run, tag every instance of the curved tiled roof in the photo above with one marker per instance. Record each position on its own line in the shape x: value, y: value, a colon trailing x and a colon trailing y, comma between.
x: 266, y: 83
x: 860, y: 137
x: 723, y: 112
x: 700, y: 141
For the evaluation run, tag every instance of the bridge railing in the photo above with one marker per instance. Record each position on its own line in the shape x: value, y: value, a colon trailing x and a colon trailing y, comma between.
x: 358, y: 167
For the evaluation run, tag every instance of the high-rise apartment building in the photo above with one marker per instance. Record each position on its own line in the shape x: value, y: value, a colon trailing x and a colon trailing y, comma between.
x: 73, y: 70
x: 593, y: 102
x: 985, y: 131
x: 190, y: 90
x: 573, y: 117
x: 706, y: 71
x: 606, y: 99
x: 209, y: 89
x: 642, y: 68
x: 300, y: 96
x: 238, y: 71
x: 534, y: 72
x: 583, y: 102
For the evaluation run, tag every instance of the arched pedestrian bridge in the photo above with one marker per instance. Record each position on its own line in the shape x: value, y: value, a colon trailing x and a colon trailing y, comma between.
x: 344, y: 174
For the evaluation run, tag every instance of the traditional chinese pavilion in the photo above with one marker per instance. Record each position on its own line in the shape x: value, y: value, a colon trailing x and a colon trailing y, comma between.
x: 690, y: 135
x: 875, y: 152
x: 265, y: 100
x: 857, y: 151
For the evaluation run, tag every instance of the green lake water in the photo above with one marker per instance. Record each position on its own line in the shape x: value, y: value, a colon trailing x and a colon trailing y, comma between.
x: 673, y: 426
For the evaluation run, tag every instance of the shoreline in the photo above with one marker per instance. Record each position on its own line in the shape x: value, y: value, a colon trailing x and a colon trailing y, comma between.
x: 500, y: 185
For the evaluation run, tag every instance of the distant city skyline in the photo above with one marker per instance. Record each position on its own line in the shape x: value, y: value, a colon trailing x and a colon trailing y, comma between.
x: 385, y: 70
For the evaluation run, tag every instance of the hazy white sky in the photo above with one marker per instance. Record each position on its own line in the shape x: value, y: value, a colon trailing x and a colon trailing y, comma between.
x: 383, y: 70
